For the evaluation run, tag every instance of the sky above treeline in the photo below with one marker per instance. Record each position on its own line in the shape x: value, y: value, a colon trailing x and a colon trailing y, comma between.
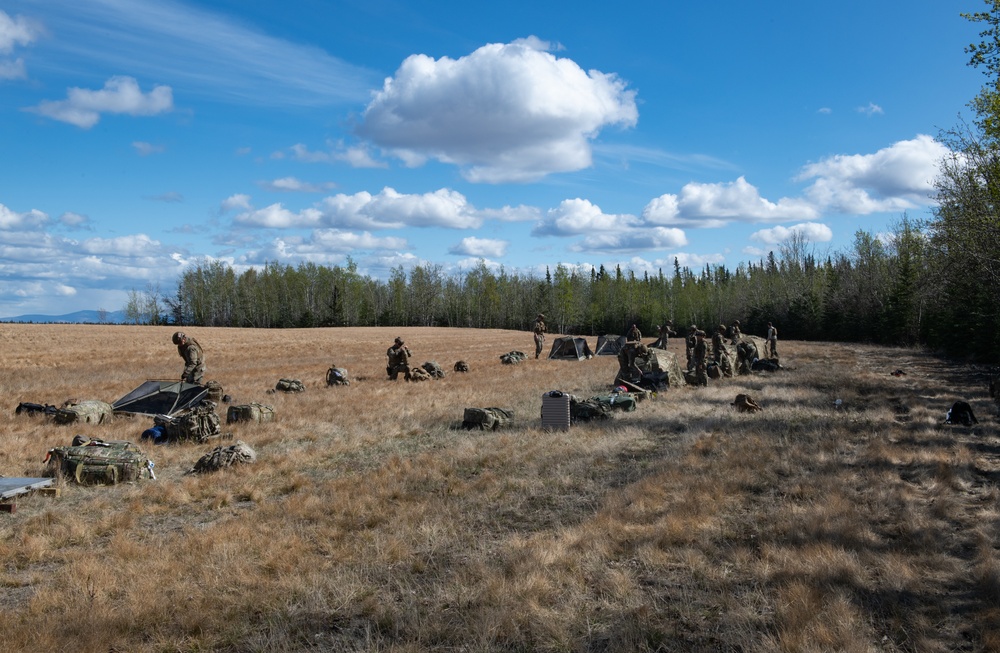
x: 139, y: 137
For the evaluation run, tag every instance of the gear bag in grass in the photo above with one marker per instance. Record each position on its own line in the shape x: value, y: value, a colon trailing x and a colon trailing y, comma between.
x: 252, y: 412
x: 100, y: 462
x: 290, y: 385
x: 486, y: 419
x: 195, y: 425
x: 588, y: 410
x: 88, y: 412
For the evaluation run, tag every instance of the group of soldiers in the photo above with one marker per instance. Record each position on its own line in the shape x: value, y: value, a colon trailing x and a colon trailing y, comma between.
x: 398, y: 355
x: 698, y: 353
x: 700, y: 357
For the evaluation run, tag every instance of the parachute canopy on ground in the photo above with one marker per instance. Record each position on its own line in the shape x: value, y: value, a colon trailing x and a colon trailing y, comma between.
x: 570, y: 348
x: 610, y: 345
x: 161, y: 398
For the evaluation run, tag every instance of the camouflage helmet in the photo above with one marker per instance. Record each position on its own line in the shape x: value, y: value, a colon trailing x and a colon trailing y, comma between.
x: 178, y: 337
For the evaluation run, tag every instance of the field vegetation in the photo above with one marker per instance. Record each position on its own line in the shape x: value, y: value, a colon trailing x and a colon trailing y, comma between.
x: 372, y: 522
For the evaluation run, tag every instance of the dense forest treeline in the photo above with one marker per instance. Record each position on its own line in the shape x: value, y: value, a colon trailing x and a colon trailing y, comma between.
x: 900, y: 288
x: 934, y: 282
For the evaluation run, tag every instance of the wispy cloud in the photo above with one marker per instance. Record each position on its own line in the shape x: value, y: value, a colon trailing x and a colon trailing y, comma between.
x: 200, y: 51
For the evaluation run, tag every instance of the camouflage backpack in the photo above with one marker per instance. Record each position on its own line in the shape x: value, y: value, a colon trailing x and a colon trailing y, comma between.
x: 99, y: 462
x: 420, y: 374
x: 461, y: 366
x: 588, y: 410
x: 88, y: 412
x: 337, y: 376
x: 290, y: 385
x: 486, y: 419
x: 215, y: 392
x: 433, y: 369
x: 195, y: 425
x: 239, y: 453
x: 513, y: 357
x: 252, y: 412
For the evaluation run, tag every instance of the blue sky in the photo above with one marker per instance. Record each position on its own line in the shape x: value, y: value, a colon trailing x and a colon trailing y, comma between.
x: 140, y: 137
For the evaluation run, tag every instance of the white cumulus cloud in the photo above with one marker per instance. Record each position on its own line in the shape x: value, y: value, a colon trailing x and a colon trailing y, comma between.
x: 83, y: 107
x: 714, y: 205
x: 895, y: 178
x: 390, y: 209
x: 481, y: 247
x: 506, y: 112
x: 580, y: 216
x: 10, y: 219
x: 812, y: 232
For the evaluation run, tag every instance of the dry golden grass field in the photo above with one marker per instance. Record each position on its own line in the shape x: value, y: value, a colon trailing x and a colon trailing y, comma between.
x: 372, y: 522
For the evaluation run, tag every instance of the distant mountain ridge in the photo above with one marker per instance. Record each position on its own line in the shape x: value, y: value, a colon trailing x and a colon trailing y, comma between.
x: 79, y: 317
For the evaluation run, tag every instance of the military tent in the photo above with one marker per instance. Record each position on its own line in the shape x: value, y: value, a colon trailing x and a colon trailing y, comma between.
x: 161, y: 398
x: 610, y: 345
x: 570, y: 348
x: 660, y: 370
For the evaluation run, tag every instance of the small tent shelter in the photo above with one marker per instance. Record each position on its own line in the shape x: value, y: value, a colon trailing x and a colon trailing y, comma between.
x: 660, y: 370
x: 570, y: 348
x: 610, y: 345
x: 161, y: 398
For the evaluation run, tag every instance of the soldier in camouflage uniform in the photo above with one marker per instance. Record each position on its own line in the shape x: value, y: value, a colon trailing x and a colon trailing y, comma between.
x: 700, y: 357
x: 664, y: 331
x: 539, y: 334
x: 193, y: 355
x: 398, y: 360
x: 719, y: 352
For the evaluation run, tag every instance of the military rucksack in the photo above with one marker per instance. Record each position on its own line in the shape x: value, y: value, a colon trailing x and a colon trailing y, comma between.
x: 433, y: 369
x: 197, y: 424
x: 745, y: 404
x: 961, y: 413
x: 623, y: 401
x: 290, y: 385
x: 252, y: 412
x: 28, y: 408
x: 238, y: 453
x: 587, y: 410
x: 419, y: 374
x: 337, y: 376
x: 513, y: 357
x: 461, y: 366
x: 486, y: 419
x: 90, y: 411
x: 99, y: 462
x: 215, y: 392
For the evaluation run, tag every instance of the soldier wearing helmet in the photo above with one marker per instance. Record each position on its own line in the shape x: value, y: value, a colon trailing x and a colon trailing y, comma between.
x: 193, y: 355
x: 397, y: 359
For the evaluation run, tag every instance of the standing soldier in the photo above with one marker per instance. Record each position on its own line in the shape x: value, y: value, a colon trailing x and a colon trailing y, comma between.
x: 772, y: 340
x: 689, y: 344
x: 193, y: 355
x: 700, y: 358
x: 664, y: 331
x: 735, y: 331
x: 634, y: 334
x: 719, y: 352
x: 397, y: 359
x: 539, y: 334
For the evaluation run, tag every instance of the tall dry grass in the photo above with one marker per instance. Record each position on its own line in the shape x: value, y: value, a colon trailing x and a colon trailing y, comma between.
x: 371, y: 522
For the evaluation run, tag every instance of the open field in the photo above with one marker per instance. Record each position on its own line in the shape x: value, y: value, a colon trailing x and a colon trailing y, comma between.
x: 372, y: 523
